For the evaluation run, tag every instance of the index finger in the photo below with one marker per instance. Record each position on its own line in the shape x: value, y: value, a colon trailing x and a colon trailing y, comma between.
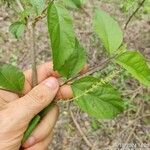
x: 44, y: 71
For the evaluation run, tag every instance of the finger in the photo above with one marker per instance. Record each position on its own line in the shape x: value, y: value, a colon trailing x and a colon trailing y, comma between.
x: 42, y: 145
x: 8, y: 96
x: 43, y: 71
x: 37, y: 99
x: 65, y: 92
x: 44, y: 128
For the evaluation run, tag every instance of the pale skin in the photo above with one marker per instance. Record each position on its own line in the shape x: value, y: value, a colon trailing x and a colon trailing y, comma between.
x: 16, y: 112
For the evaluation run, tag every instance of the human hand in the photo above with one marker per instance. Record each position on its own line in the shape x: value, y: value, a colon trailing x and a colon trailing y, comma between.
x: 16, y: 113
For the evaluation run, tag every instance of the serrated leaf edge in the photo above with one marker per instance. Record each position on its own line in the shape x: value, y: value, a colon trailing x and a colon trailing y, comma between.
x: 95, y: 86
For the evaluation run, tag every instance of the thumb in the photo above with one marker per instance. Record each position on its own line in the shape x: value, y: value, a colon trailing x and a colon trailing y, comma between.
x: 38, y: 98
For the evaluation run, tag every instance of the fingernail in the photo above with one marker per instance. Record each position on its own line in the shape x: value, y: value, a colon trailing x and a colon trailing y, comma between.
x: 51, y: 83
x: 29, y: 142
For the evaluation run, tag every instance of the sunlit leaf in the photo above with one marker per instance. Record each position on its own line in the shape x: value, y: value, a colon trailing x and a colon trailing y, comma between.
x: 135, y: 63
x: 68, y: 55
x: 11, y: 78
x: 38, y: 5
x: 74, y: 3
x: 102, y: 102
x: 17, y: 29
x: 108, y: 31
x: 75, y: 63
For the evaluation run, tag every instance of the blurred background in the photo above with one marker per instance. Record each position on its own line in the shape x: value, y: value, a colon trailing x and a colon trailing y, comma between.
x: 132, y: 128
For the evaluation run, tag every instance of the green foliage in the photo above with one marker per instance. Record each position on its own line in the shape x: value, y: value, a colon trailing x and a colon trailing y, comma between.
x: 17, y: 29
x: 61, y: 32
x: 78, y: 3
x: 135, y: 64
x: 130, y: 5
x: 108, y: 31
x: 146, y: 9
x: 75, y: 62
x: 93, y: 95
x: 31, y: 6
x: 32, y: 125
x: 70, y: 4
x: 66, y: 49
x: 126, y: 5
x: 11, y: 78
x: 101, y: 101
x: 74, y: 3
x: 38, y: 6
x: 26, y: 13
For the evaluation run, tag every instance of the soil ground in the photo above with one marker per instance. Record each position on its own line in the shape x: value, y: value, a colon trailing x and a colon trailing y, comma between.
x: 132, y: 128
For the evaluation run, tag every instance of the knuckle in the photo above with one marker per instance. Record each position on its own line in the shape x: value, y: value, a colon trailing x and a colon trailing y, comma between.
x: 39, y: 95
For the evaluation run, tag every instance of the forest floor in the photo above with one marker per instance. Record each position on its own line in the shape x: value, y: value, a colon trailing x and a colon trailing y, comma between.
x: 132, y: 128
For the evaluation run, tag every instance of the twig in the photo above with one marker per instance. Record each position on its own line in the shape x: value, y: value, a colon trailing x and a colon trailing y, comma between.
x: 92, y: 70
x: 129, y: 137
x: 33, y: 56
x: 140, y: 5
x: 40, y: 17
x: 85, y: 12
x: 126, y: 93
x: 140, y: 142
x: 100, y: 83
x: 94, y: 145
x: 43, y: 15
x: 34, y: 122
x: 136, y: 92
x: 80, y: 130
x: 132, y: 131
x: 96, y: 68
x: 33, y: 53
x: 20, y: 5
x: 134, y: 121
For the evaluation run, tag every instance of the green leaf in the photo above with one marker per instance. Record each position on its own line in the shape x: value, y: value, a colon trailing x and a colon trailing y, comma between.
x: 74, y: 3
x: 75, y: 62
x: 69, y: 3
x: 17, y: 29
x: 32, y: 125
x: 101, y: 101
x: 26, y: 13
x: 62, y: 35
x: 38, y: 5
x: 68, y: 56
x: 78, y: 3
x: 11, y: 78
x: 108, y: 31
x: 135, y: 63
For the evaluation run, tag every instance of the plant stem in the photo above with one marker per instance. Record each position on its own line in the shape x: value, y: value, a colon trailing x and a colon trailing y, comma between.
x: 79, y: 129
x: 35, y: 121
x: 42, y: 14
x: 33, y: 57
x: 140, y: 5
x: 92, y: 70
